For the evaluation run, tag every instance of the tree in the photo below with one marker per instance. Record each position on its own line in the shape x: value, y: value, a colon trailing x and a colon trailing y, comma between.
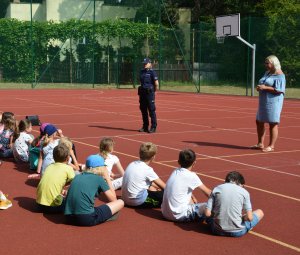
x: 283, y: 34
x: 3, y: 7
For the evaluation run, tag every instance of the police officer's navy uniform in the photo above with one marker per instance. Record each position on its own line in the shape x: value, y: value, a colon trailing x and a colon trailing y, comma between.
x: 147, y: 97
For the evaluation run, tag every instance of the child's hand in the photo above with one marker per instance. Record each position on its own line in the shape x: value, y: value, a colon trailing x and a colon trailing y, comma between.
x: 60, y: 133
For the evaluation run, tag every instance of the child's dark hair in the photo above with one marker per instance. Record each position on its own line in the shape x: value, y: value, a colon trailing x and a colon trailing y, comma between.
x: 23, y: 125
x: 186, y: 158
x: 61, y: 153
x: 235, y: 177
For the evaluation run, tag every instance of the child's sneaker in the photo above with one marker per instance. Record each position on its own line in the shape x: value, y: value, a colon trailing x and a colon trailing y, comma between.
x: 5, y: 203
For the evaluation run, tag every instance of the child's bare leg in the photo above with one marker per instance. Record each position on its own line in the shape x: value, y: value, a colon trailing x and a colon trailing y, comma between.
x: 115, y: 206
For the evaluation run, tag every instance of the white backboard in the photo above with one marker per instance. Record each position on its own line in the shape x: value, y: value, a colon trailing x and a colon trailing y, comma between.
x: 228, y: 25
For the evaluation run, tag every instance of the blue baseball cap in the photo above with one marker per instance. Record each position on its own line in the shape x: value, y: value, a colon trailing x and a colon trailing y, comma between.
x: 50, y: 129
x: 94, y: 161
x: 146, y: 61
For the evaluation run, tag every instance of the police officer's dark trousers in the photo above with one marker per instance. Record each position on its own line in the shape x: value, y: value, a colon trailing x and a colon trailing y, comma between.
x: 147, y: 106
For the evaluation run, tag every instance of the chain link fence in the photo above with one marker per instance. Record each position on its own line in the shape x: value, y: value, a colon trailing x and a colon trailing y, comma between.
x: 102, y: 43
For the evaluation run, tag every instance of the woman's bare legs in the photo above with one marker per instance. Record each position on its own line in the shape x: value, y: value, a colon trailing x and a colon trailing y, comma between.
x: 260, y: 128
x: 273, y: 134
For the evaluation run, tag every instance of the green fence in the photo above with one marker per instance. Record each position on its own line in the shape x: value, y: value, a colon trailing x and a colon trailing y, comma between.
x: 102, y: 43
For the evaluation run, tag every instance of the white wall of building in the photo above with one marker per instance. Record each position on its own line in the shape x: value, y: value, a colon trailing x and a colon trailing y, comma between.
x: 22, y: 11
x: 62, y: 10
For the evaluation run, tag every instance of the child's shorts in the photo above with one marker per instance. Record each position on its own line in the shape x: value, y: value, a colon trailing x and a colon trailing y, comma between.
x: 153, y: 200
x: 194, y: 212
x: 101, y: 214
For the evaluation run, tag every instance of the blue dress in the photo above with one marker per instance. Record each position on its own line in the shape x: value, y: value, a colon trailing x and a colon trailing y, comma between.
x: 270, y: 104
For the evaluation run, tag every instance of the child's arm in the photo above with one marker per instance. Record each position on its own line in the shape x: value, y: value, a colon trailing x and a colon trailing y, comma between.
x: 106, y: 177
x: 206, y: 191
x: 248, y: 216
x: 75, y: 164
x: 40, y: 162
x: 120, y: 171
x: 159, y: 182
x: 11, y: 141
x: 110, y: 195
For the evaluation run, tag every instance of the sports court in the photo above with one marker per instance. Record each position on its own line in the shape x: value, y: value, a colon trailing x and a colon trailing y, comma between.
x: 219, y: 129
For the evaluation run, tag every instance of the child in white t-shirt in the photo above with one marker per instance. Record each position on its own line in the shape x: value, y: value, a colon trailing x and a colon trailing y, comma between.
x: 106, y: 148
x: 22, y: 141
x: 179, y: 204
x: 141, y: 185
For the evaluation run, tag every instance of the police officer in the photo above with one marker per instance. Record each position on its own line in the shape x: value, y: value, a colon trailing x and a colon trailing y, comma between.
x: 149, y: 84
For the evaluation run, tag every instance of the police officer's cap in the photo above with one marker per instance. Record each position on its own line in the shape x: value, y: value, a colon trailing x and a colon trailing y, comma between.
x: 146, y: 61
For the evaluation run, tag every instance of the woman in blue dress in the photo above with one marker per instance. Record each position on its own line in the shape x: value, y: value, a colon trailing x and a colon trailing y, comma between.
x: 271, y: 90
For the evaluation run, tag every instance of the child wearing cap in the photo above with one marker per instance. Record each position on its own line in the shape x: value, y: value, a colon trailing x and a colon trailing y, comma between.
x: 37, y: 145
x: 141, y: 185
x: 50, y: 190
x: 179, y: 204
x: 48, y: 143
x: 80, y: 207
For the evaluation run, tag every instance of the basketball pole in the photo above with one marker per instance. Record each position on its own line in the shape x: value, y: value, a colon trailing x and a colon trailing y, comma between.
x: 253, y: 47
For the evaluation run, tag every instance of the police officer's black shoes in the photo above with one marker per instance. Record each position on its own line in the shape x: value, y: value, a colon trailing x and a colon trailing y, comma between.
x: 152, y: 130
x: 143, y: 130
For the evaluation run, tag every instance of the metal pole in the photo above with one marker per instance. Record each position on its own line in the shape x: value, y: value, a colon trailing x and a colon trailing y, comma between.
x: 159, y: 46
x: 32, y: 50
x: 253, y: 69
x: 94, y: 22
x: 253, y: 47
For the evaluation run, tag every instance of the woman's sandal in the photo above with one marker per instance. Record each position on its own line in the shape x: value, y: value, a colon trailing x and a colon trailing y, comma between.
x: 257, y: 147
x: 268, y: 149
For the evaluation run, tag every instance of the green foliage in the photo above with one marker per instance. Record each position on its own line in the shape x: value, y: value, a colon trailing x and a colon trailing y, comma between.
x: 15, y: 42
x: 283, y: 35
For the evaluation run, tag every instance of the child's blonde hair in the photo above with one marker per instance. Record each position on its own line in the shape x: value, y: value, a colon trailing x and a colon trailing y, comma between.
x: 147, y: 151
x: 96, y: 170
x: 106, y: 146
x: 66, y: 141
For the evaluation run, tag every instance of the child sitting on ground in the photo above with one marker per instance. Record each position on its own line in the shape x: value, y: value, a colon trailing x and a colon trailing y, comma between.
x: 50, y: 191
x: 73, y: 160
x: 79, y: 209
x: 22, y: 140
x: 226, y: 205
x: 3, y: 117
x: 6, y: 138
x: 106, y: 149
x: 50, y: 141
x: 141, y: 185
x: 179, y: 204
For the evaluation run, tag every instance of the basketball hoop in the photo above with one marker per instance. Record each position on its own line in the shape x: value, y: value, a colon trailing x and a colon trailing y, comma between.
x: 220, y: 39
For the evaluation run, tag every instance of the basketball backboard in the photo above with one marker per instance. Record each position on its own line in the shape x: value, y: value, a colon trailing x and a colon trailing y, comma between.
x: 228, y: 25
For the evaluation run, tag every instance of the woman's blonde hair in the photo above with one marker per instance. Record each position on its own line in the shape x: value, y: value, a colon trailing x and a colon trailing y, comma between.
x: 274, y: 61
x: 106, y: 145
